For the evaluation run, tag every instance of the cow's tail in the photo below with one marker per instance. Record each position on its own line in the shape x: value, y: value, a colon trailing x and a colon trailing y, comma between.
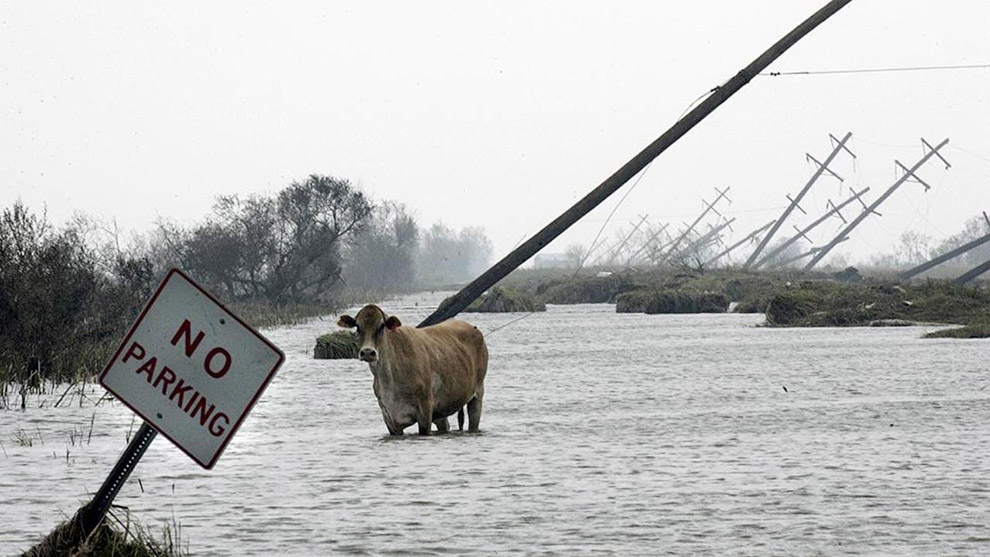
x: 460, y: 419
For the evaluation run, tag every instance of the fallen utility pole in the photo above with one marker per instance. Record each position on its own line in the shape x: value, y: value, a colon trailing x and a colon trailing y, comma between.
x: 907, y: 275
x: 600, y: 256
x: 709, y: 207
x: 705, y: 239
x: 908, y: 173
x: 811, y: 251
x: 804, y: 231
x: 719, y: 95
x: 615, y: 254
x: 656, y: 255
x: 646, y: 244
x: 973, y: 273
x: 822, y: 168
x: 749, y: 237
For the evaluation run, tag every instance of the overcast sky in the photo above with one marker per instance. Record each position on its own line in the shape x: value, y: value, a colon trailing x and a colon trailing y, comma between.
x: 497, y: 114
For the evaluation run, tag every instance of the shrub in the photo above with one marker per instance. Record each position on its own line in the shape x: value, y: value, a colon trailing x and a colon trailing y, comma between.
x: 338, y: 345
x: 671, y: 301
x: 505, y: 300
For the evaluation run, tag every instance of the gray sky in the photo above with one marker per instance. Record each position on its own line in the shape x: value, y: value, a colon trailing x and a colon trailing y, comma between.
x: 493, y: 114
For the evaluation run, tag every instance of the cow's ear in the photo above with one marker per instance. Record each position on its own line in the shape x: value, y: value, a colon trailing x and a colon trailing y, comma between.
x: 393, y: 323
x: 347, y: 322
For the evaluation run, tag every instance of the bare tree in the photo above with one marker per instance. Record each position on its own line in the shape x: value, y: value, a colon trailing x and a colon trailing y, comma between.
x: 280, y: 249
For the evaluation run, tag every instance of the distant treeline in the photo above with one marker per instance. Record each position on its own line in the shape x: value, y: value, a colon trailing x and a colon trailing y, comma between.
x: 68, y: 293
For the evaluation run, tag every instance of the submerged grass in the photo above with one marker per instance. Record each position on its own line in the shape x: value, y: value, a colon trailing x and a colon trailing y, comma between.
x: 115, y: 537
x: 265, y: 315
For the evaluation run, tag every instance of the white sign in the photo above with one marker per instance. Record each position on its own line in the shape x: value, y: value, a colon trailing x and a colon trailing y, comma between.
x: 191, y: 369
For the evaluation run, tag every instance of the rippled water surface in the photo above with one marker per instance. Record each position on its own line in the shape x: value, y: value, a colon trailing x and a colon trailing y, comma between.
x: 601, y: 433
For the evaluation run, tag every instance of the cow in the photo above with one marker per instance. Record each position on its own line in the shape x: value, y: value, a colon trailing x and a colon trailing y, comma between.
x: 421, y: 376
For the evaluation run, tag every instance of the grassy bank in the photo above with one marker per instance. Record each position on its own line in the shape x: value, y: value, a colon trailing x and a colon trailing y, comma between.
x: 976, y: 328
x: 750, y: 290
x: 115, y: 537
x: 789, y: 299
x: 825, y: 304
x: 505, y: 300
x: 673, y: 301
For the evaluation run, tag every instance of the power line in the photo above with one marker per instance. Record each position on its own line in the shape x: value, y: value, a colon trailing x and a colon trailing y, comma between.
x: 878, y: 70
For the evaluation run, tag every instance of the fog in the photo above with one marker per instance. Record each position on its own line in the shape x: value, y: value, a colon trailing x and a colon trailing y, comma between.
x: 490, y: 115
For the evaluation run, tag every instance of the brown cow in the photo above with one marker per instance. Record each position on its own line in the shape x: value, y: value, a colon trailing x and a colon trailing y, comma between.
x: 422, y: 375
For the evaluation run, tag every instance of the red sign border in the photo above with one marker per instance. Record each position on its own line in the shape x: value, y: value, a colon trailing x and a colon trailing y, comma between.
x: 247, y: 410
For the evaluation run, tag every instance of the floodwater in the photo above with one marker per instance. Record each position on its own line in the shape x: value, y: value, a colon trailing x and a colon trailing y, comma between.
x: 602, y: 433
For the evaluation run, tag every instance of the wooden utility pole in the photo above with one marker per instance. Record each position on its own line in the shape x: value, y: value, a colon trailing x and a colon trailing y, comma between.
x: 822, y: 168
x: 646, y: 244
x: 907, y: 275
x: 804, y: 231
x: 625, y: 241
x: 656, y: 255
x: 973, y: 273
x: 811, y: 251
x: 672, y: 249
x: 707, y: 237
x: 908, y: 173
x: 719, y: 95
x: 749, y: 237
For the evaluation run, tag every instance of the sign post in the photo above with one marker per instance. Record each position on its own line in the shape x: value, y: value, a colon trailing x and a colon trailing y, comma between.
x: 192, y: 370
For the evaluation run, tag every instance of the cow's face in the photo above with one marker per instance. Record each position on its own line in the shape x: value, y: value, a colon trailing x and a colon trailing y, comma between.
x: 370, y: 327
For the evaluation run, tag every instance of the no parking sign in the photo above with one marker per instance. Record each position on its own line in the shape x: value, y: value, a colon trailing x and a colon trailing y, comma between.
x: 191, y: 368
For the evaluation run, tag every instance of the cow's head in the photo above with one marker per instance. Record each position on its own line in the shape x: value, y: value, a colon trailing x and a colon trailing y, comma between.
x: 370, y: 327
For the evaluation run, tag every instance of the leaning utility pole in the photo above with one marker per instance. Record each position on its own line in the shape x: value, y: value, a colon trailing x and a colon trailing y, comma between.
x: 822, y: 168
x: 647, y: 243
x: 908, y: 173
x: 906, y: 275
x: 803, y: 233
x: 708, y: 208
x: 625, y: 241
x: 749, y: 237
x: 811, y: 251
x: 719, y: 95
x: 707, y: 237
x: 973, y: 273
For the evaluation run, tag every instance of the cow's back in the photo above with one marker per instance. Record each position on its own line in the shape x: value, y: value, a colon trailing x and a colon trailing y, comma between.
x: 454, y: 356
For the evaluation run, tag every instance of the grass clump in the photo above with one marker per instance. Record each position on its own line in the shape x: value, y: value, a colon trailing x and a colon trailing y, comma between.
x: 978, y: 328
x: 585, y: 289
x: 505, y: 300
x: 831, y: 304
x: 338, y: 345
x: 113, y: 538
x: 673, y: 301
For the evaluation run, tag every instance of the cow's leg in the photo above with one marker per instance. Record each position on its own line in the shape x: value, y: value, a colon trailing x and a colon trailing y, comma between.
x: 443, y: 426
x: 424, y: 418
x: 393, y: 428
x: 460, y: 419
x: 474, y: 411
